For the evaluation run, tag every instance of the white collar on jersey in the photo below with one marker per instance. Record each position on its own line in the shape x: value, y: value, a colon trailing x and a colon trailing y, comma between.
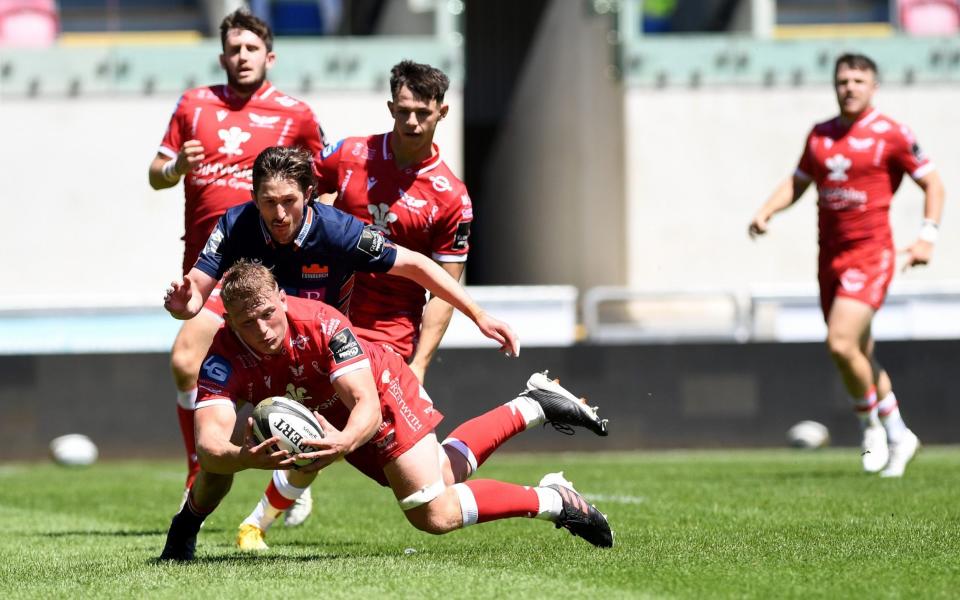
x: 428, y: 165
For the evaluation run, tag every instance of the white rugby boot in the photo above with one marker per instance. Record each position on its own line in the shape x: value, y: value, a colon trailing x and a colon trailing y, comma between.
x: 875, y: 453
x: 301, y: 509
x: 901, y: 454
x: 562, y: 409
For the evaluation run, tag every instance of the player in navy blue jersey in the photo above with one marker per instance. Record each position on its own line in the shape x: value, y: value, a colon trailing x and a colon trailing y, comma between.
x: 314, y: 249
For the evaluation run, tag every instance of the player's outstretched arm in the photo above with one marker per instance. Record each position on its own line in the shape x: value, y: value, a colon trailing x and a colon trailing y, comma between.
x: 165, y: 172
x: 358, y: 391
x: 184, y: 299
x: 788, y: 192
x: 921, y: 251
x: 436, y: 318
x: 429, y: 275
x: 217, y: 452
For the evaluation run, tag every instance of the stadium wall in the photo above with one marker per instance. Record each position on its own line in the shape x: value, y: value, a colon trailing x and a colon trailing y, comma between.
x: 655, y: 396
x: 88, y: 228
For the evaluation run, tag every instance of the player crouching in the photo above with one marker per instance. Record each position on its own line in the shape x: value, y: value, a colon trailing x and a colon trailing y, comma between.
x: 374, y: 413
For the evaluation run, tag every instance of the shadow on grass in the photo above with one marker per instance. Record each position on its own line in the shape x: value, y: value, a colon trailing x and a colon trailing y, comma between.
x: 250, y: 559
x: 106, y: 533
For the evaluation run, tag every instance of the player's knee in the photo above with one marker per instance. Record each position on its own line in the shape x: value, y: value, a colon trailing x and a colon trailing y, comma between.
x: 842, y: 348
x: 440, y: 515
x: 184, y: 363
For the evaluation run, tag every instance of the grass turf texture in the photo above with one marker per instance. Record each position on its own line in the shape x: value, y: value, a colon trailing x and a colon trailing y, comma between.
x: 763, y: 524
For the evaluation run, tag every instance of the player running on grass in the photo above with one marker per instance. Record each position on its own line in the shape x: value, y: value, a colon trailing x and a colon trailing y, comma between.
x: 212, y: 139
x: 857, y: 161
x: 374, y: 413
x: 397, y: 183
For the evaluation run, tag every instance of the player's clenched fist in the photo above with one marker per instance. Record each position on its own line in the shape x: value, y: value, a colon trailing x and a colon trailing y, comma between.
x: 190, y: 155
x: 759, y: 225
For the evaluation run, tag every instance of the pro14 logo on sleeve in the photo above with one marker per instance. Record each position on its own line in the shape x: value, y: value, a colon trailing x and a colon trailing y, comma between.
x: 328, y: 150
x: 344, y: 346
x: 462, y: 236
x: 216, y: 368
x: 371, y: 242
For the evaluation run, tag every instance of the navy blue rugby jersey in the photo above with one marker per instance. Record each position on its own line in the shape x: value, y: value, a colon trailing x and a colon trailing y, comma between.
x: 320, y: 262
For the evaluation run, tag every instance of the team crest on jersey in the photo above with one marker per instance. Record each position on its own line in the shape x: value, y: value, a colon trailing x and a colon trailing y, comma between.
x: 300, y: 343
x: 861, y: 144
x: 382, y: 217
x: 838, y: 165
x: 263, y: 121
x: 441, y: 183
x: 232, y: 138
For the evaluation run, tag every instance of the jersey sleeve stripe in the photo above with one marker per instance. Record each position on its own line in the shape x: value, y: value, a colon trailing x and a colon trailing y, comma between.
x: 214, y: 402
x: 923, y: 170
x: 167, y: 152
x: 449, y: 258
x: 360, y: 364
x: 801, y: 175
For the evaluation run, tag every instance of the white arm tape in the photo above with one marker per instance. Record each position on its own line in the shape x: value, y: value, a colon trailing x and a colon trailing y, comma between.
x: 422, y: 496
x: 929, y: 231
x: 168, y: 171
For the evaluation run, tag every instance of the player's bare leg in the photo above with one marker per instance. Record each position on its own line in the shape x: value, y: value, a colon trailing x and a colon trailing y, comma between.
x: 848, y: 339
x: 417, y: 478
x: 189, y: 348
x: 283, y: 491
x: 203, y: 497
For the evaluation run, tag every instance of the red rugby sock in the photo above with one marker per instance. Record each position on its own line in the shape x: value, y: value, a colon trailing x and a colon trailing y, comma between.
x: 185, y: 418
x: 499, y: 500
x: 484, y: 434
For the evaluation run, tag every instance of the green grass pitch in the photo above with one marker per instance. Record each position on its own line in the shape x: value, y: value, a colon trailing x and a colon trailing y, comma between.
x: 712, y: 524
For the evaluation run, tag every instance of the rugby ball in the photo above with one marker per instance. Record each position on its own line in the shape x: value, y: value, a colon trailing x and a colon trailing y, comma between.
x: 808, y: 434
x: 290, y: 422
x: 73, y: 450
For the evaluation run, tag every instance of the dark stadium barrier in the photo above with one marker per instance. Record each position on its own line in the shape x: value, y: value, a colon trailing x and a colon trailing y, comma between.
x: 656, y: 396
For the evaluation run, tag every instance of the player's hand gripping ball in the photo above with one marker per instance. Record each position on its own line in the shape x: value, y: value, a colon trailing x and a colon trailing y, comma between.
x: 290, y: 422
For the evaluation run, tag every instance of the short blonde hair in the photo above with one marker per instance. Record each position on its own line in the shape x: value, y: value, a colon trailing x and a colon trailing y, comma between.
x: 247, y: 284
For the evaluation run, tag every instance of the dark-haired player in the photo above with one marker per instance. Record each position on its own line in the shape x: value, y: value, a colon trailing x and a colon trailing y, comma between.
x: 399, y: 184
x: 374, y: 413
x: 857, y: 161
x: 213, y: 137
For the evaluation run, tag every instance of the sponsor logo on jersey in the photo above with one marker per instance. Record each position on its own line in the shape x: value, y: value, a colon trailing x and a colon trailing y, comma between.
x: 314, y: 271
x: 441, y: 183
x: 232, y: 138
x: 285, y: 101
x: 881, y: 127
x: 465, y: 200
x: 344, y: 346
x: 263, y: 121
x: 329, y: 150
x: 221, y: 115
x: 346, y: 180
x: 411, y: 202
x: 861, y: 144
x: 853, y: 280
x: 462, y: 236
x: 300, y: 343
x: 842, y: 198
x: 382, y: 217
x: 358, y: 149
x: 405, y: 411
x: 212, y: 247
x: 216, y: 368
x: 838, y: 165
x: 466, y: 213
x: 371, y: 242
x: 296, y: 370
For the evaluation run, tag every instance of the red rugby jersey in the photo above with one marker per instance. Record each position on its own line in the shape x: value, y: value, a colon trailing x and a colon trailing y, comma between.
x: 857, y: 169
x: 423, y: 207
x: 233, y: 132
